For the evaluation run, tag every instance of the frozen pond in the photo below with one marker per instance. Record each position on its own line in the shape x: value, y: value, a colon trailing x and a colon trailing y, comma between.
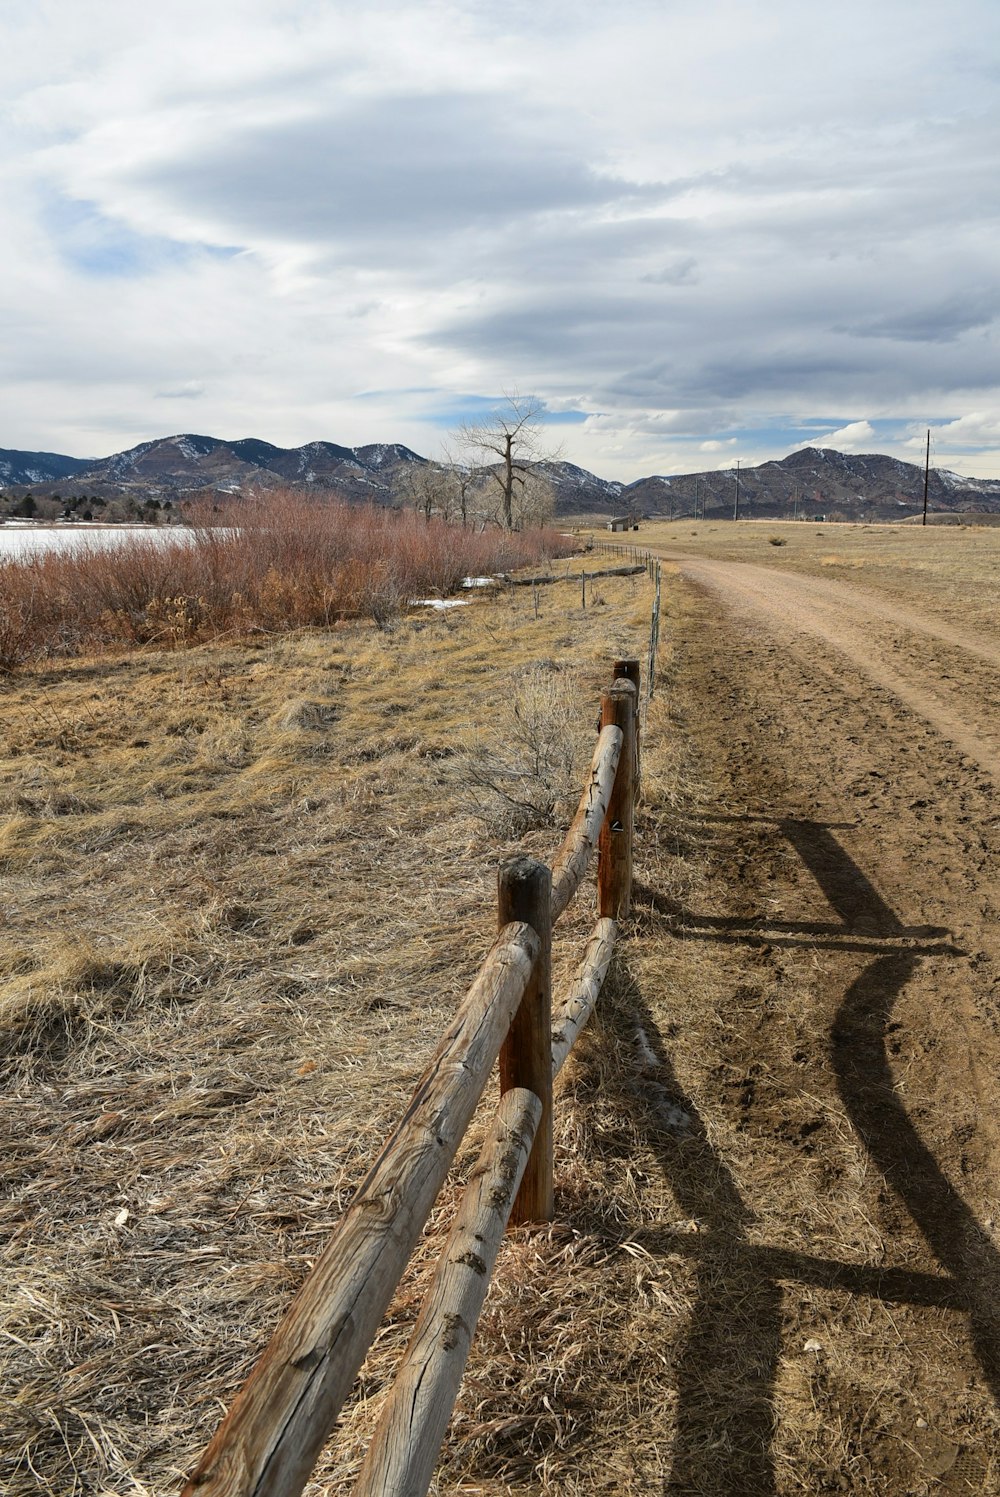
x: 19, y: 541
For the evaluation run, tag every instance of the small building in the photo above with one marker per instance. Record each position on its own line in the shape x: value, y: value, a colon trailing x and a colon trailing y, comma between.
x: 623, y: 522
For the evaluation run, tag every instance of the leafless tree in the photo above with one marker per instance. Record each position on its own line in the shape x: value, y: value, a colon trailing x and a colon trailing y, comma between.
x: 467, y: 482
x: 429, y: 488
x: 507, y: 447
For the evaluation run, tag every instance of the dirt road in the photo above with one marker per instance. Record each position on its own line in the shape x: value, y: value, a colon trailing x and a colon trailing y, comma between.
x: 845, y: 1087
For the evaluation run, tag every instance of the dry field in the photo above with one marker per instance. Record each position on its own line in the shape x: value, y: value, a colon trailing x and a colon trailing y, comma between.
x: 243, y: 889
x: 951, y: 573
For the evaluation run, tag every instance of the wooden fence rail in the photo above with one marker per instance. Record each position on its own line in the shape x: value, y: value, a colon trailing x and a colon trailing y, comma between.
x: 269, y: 1441
x: 403, y: 1452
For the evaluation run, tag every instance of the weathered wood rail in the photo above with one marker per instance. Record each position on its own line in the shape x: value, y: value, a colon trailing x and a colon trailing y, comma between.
x: 279, y: 1421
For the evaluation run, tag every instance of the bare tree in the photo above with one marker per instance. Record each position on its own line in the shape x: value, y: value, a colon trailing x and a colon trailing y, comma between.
x: 508, y: 448
x: 429, y: 488
x: 467, y: 482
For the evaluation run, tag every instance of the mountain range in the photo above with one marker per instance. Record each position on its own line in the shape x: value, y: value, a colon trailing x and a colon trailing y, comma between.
x: 814, y: 480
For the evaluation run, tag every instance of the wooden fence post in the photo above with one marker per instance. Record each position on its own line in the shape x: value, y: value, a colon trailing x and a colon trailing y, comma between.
x: 626, y: 670
x: 629, y: 670
x: 525, y: 885
x: 614, y: 857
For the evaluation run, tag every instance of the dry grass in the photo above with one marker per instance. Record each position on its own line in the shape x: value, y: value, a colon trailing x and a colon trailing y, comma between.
x: 950, y: 571
x: 244, y: 887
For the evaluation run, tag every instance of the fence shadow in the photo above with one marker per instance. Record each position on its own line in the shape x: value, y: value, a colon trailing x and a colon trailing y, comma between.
x: 727, y: 1367
x: 725, y: 1379
x: 866, y: 1085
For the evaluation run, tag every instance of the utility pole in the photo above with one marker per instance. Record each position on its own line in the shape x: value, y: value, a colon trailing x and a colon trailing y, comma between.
x: 736, y: 505
x: 927, y: 473
x: 697, y: 487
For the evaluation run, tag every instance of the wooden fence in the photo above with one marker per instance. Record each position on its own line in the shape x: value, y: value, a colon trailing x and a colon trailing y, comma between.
x: 269, y: 1441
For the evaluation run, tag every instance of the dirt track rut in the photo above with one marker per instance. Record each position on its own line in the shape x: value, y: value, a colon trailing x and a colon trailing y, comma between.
x: 851, y: 752
x: 934, y: 669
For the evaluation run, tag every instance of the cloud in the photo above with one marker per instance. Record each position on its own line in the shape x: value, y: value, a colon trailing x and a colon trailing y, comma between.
x: 856, y: 436
x: 934, y: 322
x: 976, y: 429
x: 683, y: 272
x: 192, y: 389
x: 326, y: 221
x: 378, y: 173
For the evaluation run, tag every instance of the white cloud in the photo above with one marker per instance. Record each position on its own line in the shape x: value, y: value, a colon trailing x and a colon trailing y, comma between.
x: 274, y: 208
x: 856, y: 436
x: 191, y: 389
x: 975, y: 429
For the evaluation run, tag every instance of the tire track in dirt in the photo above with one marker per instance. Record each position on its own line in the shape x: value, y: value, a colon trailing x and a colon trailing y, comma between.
x: 853, y: 1089
x: 848, y: 621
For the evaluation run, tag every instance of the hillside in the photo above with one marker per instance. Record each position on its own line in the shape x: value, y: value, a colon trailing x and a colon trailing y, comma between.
x: 37, y: 467
x: 188, y: 464
x: 814, y: 480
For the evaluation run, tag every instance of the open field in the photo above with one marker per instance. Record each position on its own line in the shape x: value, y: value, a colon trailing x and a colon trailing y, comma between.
x: 951, y: 574
x: 244, y: 886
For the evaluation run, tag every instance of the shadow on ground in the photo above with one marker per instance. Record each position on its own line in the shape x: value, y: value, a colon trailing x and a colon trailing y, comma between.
x: 727, y: 1368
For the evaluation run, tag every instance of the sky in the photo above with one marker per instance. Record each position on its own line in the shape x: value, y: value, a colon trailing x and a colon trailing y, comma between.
x: 696, y: 231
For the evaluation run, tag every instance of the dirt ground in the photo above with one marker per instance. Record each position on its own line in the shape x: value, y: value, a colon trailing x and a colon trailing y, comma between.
x: 847, y: 746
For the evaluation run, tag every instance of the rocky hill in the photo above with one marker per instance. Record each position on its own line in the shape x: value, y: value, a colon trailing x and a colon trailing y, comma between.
x: 37, y: 467
x: 815, y: 480
x: 579, y: 492
x: 189, y: 464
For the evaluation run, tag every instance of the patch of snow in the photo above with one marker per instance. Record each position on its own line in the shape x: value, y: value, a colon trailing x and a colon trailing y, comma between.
x: 440, y: 603
x: 959, y: 481
x: 477, y: 581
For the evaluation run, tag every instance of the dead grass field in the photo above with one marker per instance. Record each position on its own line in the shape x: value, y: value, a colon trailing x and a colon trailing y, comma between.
x: 232, y: 882
x: 243, y: 888
x: 950, y: 571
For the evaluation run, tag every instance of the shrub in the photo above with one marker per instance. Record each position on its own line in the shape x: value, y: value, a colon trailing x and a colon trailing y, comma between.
x: 274, y: 562
x: 522, y: 770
